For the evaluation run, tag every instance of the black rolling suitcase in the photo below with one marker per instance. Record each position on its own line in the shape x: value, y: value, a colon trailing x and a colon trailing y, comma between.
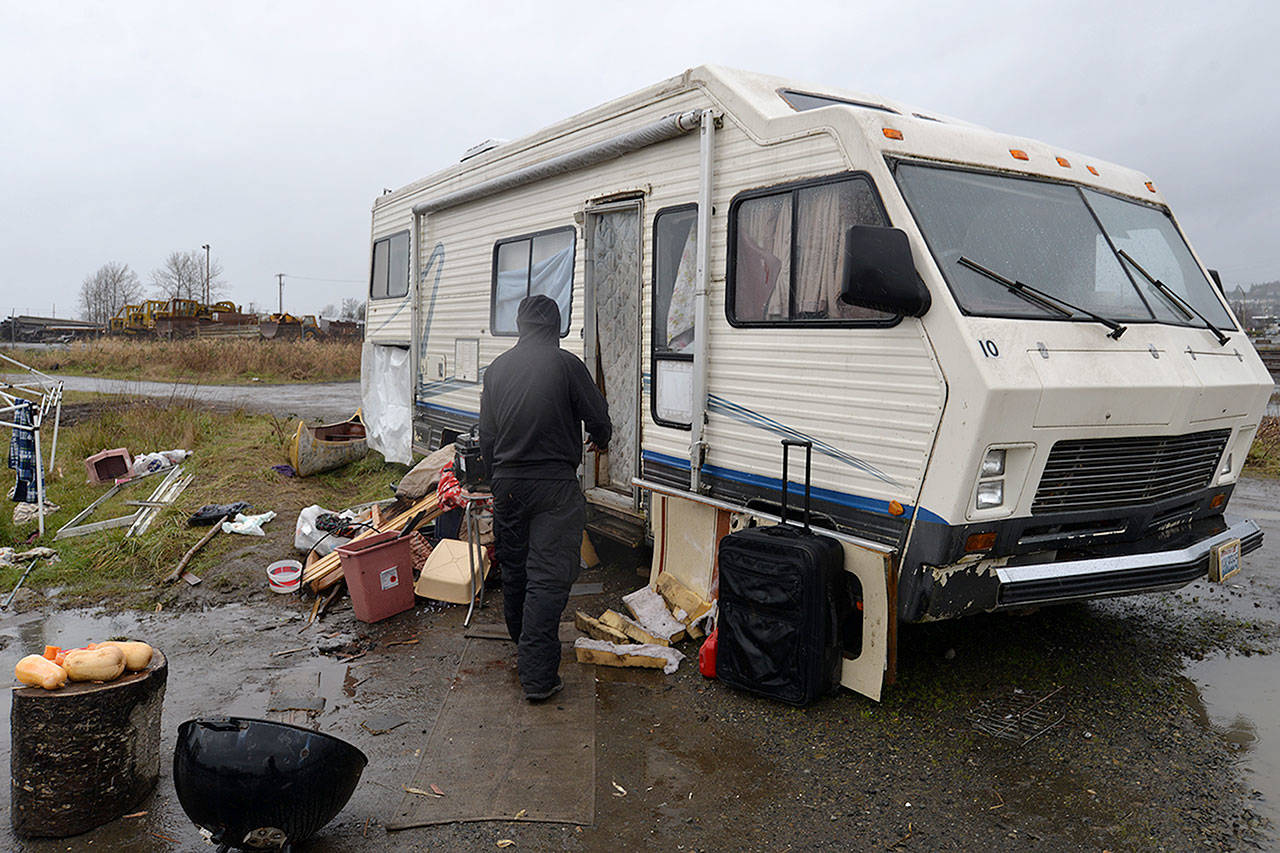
x: 779, y: 616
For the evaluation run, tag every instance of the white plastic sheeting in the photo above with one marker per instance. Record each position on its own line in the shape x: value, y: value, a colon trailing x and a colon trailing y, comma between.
x: 386, y: 398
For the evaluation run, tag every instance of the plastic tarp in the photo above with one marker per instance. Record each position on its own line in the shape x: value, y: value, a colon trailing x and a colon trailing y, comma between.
x: 386, y: 390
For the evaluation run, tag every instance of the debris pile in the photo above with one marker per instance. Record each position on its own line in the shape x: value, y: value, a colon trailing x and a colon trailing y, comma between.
x: 661, y: 615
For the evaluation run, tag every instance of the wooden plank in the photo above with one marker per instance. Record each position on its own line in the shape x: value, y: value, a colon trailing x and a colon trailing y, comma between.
x: 603, y: 658
x: 681, y: 599
x: 632, y: 629
x: 597, y: 631
x: 327, y: 570
x: 587, y: 553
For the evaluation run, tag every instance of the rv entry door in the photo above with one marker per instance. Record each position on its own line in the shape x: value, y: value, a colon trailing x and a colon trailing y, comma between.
x: 612, y: 346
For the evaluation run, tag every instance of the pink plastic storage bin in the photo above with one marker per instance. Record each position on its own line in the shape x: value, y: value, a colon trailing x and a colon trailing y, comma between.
x: 106, y: 466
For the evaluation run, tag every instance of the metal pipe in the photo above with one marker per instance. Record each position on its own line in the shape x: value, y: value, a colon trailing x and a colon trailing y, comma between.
x: 661, y: 130
x: 697, y: 435
x: 57, y: 419
x: 39, y: 475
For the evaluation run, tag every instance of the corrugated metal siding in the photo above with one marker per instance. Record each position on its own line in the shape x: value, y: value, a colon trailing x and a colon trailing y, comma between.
x: 873, y: 395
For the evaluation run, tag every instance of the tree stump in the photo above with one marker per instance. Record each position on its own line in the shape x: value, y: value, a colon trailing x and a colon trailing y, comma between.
x: 86, y: 753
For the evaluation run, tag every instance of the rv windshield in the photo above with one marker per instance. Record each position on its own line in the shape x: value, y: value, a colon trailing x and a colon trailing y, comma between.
x: 1060, y: 237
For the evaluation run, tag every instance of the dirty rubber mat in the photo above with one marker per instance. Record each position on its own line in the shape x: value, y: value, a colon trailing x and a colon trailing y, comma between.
x: 492, y: 754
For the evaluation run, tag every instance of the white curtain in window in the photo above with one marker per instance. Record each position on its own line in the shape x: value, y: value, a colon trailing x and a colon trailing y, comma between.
x: 553, y: 277
x: 763, y: 264
x: 680, y: 313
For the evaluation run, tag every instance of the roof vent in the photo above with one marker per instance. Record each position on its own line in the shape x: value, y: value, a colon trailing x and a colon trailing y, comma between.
x: 487, y: 145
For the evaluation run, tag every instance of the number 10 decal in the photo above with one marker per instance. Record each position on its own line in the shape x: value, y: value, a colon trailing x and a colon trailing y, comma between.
x: 989, y: 349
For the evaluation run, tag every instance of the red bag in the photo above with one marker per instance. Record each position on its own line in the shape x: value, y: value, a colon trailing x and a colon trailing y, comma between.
x: 707, y: 654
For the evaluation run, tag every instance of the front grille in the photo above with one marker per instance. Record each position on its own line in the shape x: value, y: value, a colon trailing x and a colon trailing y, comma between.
x: 1099, y: 473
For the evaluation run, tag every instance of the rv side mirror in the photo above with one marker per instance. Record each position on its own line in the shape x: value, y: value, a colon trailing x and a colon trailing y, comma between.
x: 880, y: 274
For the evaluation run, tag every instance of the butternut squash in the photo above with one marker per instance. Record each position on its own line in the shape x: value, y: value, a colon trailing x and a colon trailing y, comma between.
x: 101, y: 664
x: 38, y: 671
x: 136, y: 655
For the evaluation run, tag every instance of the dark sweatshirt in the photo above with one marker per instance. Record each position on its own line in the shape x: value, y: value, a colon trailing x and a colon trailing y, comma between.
x: 534, y: 399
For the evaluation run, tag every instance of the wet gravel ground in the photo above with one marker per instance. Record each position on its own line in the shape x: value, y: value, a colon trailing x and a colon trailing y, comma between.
x: 1135, y: 759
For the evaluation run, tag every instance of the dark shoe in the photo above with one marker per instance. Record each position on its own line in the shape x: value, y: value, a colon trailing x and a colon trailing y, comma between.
x: 540, y: 695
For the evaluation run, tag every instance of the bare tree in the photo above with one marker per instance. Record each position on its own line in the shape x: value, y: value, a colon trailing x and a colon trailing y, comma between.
x: 352, y: 309
x: 329, y: 311
x: 103, y: 293
x: 181, y: 276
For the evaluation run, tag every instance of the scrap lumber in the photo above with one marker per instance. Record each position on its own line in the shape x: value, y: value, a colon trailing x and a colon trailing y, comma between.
x: 327, y: 571
x: 600, y: 657
x: 595, y: 629
x: 605, y: 653
x: 587, y: 553
x: 685, y: 604
x: 633, y: 630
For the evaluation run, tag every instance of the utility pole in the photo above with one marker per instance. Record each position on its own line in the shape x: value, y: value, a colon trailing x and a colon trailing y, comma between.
x: 206, y: 273
x: 280, y: 279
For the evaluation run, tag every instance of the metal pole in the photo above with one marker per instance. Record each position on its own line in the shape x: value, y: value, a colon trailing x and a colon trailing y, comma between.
x: 206, y: 273
x: 280, y: 279
x: 57, y: 419
x: 697, y: 438
x: 39, y: 475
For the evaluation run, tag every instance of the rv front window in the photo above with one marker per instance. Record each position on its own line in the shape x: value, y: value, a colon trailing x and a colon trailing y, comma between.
x: 1148, y: 235
x: 1047, y: 234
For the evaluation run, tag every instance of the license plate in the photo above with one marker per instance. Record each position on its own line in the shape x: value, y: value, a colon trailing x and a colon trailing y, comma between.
x: 1224, y: 560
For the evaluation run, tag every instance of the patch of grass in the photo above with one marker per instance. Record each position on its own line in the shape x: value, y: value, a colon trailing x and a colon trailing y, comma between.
x: 232, y: 457
x: 1264, y: 455
x: 203, y: 360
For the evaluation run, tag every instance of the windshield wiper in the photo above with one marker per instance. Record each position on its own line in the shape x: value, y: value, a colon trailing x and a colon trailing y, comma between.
x: 1042, y: 299
x: 1184, y: 307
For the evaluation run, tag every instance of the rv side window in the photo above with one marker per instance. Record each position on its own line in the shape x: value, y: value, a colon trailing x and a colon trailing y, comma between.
x: 675, y: 259
x: 788, y: 253
x: 536, y: 264
x: 390, y: 276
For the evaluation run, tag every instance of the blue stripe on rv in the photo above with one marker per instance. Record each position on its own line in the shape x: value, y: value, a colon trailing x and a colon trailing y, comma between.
x: 774, y: 484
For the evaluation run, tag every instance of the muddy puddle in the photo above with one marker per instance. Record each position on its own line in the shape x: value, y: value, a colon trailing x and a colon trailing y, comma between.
x: 1240, y: 699
x: 1237, y: 695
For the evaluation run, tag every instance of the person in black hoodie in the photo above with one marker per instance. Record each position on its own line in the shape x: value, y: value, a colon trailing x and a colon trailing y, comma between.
x: 535, y: 400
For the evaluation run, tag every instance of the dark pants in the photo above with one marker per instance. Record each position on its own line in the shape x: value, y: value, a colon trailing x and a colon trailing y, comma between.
x: 538, y: 531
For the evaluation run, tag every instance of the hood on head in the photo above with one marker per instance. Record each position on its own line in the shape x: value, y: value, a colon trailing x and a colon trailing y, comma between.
x: 538, y: 319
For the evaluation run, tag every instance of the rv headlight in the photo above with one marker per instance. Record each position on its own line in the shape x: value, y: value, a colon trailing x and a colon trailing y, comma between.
x: 990, y: 493
x: 992, y: 464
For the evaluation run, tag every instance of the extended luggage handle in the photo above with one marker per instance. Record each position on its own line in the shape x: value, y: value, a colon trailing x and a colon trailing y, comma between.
x: 787, y: 444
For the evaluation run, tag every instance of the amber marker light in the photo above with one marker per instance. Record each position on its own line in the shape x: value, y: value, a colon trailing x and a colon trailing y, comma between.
x: 1063, y: 162
x: 1092, y: 170
x: 980, y: 542
x: 1151, y: 186
x: 1019, y: 154
x: 895, y: 508
x: 891, y: 133
x: 1218, y: 500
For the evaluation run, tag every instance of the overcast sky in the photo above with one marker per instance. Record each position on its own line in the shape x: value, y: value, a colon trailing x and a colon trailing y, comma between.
x: 129, y: 130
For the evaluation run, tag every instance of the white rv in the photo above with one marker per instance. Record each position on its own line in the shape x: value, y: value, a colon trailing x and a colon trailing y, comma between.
x: 1021, y: 384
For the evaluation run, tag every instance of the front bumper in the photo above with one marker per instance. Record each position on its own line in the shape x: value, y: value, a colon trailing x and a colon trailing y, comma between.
x: 1148, y: 565
x: 1125, y: 574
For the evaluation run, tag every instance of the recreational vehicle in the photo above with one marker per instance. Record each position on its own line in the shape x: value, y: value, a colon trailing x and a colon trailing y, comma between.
x: 1021, y: 385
